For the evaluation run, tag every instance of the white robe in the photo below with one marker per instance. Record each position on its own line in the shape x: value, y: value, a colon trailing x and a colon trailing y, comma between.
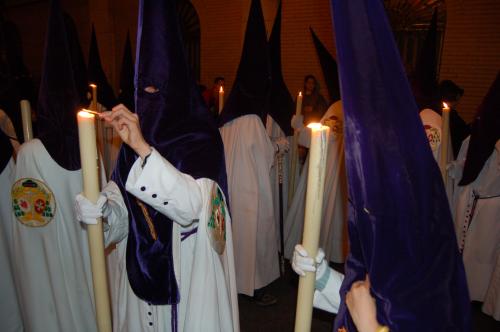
x: 333, y: 226
x: 208, y: 299
x: 10, y: 314
x: 481, y: 241
x: 249, y: 157
x: 52, y: 263
x: 274, y: 132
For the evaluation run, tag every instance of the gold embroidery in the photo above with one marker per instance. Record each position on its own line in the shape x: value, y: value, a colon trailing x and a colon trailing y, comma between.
x: 149, y: 221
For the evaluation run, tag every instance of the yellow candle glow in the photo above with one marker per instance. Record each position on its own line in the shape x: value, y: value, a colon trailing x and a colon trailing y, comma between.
x: 445, y: 137
x: 221, y: 99
x: 26, y: 118
x: 312, y: 221
x: 88, y: 156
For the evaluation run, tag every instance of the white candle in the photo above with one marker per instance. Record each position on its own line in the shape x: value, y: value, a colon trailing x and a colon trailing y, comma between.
x: 312, y: 221
x: 445, y: 137
x: 88, y: 156
x: 298, y: 109
x: 26, y: 118
x: 294, y: 153
x: 221, y: 99
x: 93, y: 104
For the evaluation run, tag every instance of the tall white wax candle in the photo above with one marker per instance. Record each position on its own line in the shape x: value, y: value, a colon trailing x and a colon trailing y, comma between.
x: 312, y: 221
x: 26, y: 118
x: 88, y: 156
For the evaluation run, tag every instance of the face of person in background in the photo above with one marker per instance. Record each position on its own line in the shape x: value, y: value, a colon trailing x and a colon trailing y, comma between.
x: 309, y: 85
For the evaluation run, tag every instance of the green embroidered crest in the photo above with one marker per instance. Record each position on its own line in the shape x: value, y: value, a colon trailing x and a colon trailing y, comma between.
x: 216, y: 226
x: 33, y: 203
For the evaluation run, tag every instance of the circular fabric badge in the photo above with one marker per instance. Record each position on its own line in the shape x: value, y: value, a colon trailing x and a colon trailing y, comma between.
x: 217, y: 223
x: 33, y: 202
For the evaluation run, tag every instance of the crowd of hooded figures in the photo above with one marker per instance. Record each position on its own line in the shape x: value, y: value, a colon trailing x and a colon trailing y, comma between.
x: 199, y: 206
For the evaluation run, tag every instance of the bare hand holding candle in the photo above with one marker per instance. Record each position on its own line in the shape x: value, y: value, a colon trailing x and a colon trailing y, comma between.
x: 127, y: 125
x: 312, y: 221
x: 88, y: 156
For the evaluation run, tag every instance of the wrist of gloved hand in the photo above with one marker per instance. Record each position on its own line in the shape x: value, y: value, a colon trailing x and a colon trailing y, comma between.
x: 88, y: 212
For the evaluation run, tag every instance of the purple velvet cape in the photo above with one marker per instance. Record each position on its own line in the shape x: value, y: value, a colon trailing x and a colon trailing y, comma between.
x: 251, y: 88
x: 281, y: 105
x: 175, y: 121
x: 62, y: 90
x: 400, y: 227
x: 484, y: 134
x: 96, y: 75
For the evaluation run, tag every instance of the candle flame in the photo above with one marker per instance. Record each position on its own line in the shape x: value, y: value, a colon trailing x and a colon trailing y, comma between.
x: 300, y: 93
x: 93, y: 85
x: 445, y: 105
x: 221, y: 89
x: 315, y: 126
x: 86, y: 114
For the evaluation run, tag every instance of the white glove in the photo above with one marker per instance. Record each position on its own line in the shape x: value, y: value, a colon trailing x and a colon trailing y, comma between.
x: 88, y: 212
x: 282, y: 145
x: 297, y: 121
x: 301, y: 262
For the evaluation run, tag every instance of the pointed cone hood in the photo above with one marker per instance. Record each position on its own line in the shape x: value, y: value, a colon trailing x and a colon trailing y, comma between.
x: 96, y: 75
x: 59, y: 97
x: 126, y: 95
x: 281, y: 105
x: 401, y: 231
x: 16, y: 82
x: 175, y: 121
x: 328, y: 67
x: 425, y: 83
x: 6, y: 150
x: 251, y: 88
x: 485, y: 133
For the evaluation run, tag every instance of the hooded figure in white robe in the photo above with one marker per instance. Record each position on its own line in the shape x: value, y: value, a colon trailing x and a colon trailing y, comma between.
x: 49, y: 247
x: 333, y: 231
x: 10, y: 314
x: 249, y: 156
x: 476, y: 203
x: 174, y: 271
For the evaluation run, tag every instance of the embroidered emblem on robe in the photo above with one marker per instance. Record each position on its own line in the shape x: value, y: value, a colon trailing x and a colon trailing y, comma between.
x: 335, y: 124
x: 33, y: 202
x: 217, y: 222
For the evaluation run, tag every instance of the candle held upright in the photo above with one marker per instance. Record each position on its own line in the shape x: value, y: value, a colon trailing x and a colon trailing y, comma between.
x: 445, y: 138
x: 26, y: 118
x: 312, y: 221
x: 221, y: 99
x: 89, y: 162
x: 294, y: 153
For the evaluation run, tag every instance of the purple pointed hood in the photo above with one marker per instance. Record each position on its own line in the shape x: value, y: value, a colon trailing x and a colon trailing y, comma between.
x: 485, y: 134
x: 96, y: 75
x: 251, y: 89
x: 281, y: 105
x: 401, y: 231
x: 176, y: 123
x: 62, y: 90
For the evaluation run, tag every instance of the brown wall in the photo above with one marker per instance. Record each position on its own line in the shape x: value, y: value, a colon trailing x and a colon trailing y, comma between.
x: 470, y: 55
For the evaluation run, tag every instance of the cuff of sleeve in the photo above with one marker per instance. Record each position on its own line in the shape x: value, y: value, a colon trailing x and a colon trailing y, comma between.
x: 321, y: 282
